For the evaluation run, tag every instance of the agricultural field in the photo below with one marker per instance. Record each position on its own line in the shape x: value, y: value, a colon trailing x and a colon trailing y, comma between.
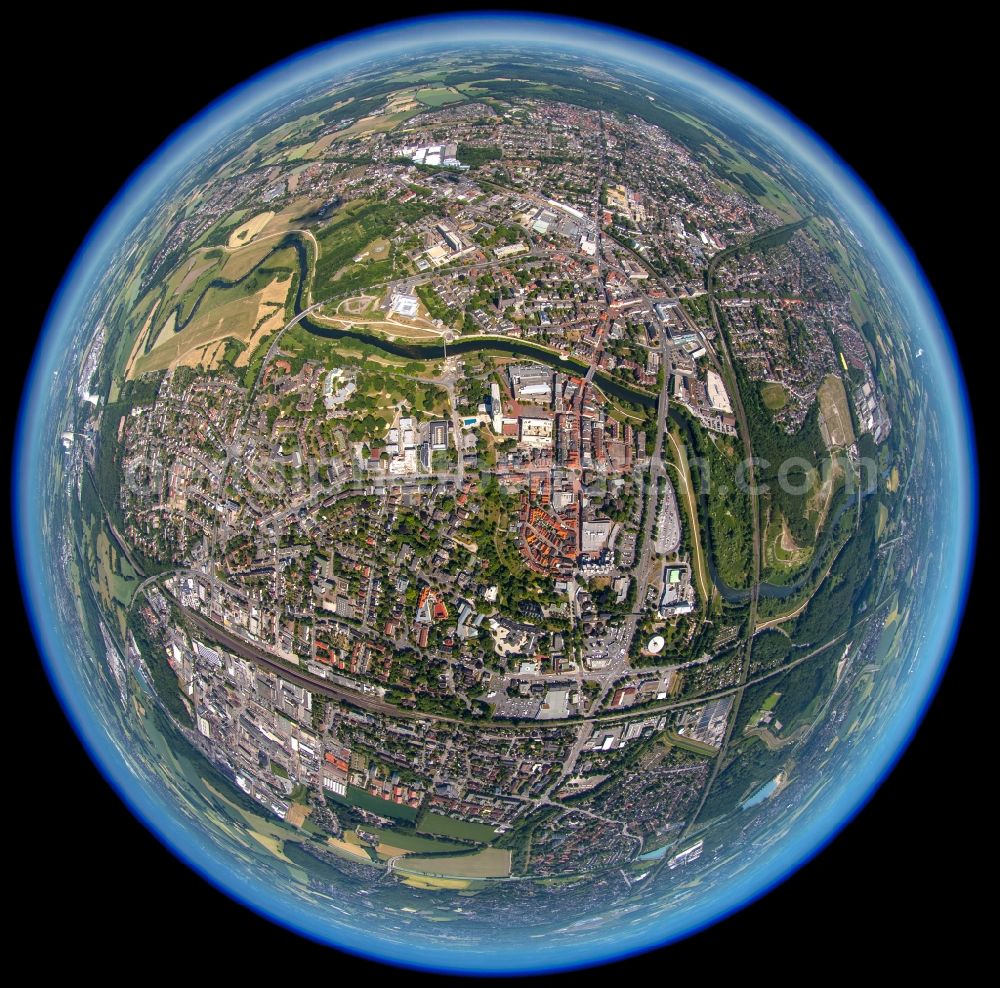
x: 383, y: 122
x: 356, y: 851
x: 402, y: 841
x: 139, y: 340
x: 114, y: 579
x: 491, y: 862
x: 883, y: 517
x: 435, y: 883
x: 220, y: 316
x: 243, y: 260
x: 835, y: 413
x: 212, y: 295
x: 245, y: 233
x: 439, y: 96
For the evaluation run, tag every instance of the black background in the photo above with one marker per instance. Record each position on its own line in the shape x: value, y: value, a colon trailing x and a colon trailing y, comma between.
x: 895, y: 102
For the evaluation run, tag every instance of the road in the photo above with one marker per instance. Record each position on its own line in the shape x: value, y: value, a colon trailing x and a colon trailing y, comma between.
x: 315, y: 684
x: 642, y: 567
x: 724, y: 368
x: 729, y: 375
x: 684, y: 476
x: 259, y: 656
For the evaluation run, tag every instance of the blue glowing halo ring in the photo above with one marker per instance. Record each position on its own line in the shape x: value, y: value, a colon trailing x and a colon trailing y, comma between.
x: 234, y: 108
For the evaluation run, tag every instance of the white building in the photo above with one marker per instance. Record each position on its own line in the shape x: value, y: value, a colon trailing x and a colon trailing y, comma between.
x: 717, y: 394
x: 496, y: 408
x: 536, y: 433
x: 686, y: 856
x: 404, y: 305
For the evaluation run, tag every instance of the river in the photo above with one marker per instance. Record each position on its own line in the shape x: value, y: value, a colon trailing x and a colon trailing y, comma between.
x: 470, y: 344
x: 474, y: 344
x: 609, y: 385
x: 842, y: 502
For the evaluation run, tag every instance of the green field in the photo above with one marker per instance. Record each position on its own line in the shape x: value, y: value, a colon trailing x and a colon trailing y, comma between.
x: 406, y: 840
x: 437, y: 823
x: 837, y: 427
x: 773, y: 395
x: 718, y: 465
x: 491, y: 862
x: 438, y: 96
x: 689, y: 744
x: 352, y: 228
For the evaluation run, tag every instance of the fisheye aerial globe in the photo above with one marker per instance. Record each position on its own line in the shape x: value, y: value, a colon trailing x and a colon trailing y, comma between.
x: 494, y: 494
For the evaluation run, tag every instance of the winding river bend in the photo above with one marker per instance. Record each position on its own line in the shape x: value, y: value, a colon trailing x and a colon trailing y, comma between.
x: 475, y: 344
x: 609, y: 385
x: 436, y: 351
